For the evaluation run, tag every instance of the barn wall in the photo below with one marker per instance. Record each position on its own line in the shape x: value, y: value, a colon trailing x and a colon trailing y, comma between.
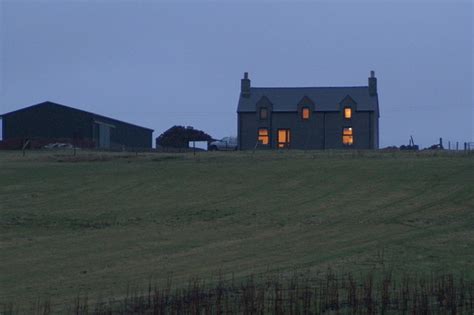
x: 127, y: 135
x: 50, y: 121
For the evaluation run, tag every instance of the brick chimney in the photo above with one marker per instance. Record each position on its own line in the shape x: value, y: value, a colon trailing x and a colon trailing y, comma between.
x: 372, y: 84
x: 245, y: 85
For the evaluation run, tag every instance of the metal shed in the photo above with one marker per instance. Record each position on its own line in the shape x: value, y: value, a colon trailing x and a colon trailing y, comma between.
x: 51, y: 122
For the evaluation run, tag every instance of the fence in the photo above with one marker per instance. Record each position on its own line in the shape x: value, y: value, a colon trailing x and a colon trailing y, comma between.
x: 459, y: 146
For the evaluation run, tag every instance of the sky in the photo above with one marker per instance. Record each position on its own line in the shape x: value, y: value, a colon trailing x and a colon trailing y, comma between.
x: 164, y: 63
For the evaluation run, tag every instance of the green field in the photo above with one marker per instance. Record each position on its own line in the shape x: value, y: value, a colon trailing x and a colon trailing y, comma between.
x: 94, y: 223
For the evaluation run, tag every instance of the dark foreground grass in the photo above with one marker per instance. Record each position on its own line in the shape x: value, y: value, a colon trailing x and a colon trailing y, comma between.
x: 300, y: 294
x: 93, y: 223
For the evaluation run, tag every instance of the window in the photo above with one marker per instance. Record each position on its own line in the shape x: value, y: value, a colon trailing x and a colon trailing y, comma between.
x: 263, y: 136
x: 347, y: 113
x: 263, y: 113
x: 305, y: 113
x: 283, y: 138
x: 347, y: 136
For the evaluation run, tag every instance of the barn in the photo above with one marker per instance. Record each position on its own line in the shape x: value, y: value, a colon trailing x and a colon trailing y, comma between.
x: 50, y: 122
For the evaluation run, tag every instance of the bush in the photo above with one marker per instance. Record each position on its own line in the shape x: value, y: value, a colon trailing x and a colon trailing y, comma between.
x: 179, y: 137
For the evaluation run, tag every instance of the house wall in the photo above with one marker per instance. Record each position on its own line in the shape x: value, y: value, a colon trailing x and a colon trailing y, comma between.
x: 322, y: 131
x: 247, y: 131
x: 375, y: 120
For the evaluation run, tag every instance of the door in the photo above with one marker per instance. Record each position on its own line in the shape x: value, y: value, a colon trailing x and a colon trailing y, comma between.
x: 104, y: 136
x: 283, y: 138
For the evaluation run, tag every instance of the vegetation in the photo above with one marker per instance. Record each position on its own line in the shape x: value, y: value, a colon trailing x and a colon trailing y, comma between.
x: 95, y: 223
x: 300, y: 294
x: 179, y: 137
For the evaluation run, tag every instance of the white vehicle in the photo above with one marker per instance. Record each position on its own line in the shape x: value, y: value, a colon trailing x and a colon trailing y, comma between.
x: 225, y: 144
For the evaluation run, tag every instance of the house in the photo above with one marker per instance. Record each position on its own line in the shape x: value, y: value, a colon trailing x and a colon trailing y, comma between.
x: 49, y: 122
x: 308, y: 117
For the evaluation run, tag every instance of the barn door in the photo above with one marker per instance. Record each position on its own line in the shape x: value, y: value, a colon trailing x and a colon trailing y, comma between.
x: 102, y: 134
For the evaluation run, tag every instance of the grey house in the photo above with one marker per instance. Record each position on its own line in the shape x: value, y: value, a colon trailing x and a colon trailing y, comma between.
x: 50, y: 122
x: 308, y: 117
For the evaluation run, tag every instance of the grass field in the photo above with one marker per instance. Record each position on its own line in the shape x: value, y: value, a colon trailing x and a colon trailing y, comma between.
x: 93, y: 223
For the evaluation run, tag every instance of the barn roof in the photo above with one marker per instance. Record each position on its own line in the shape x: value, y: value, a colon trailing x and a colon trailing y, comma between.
x: 286, y: 99
x: 48, y: 103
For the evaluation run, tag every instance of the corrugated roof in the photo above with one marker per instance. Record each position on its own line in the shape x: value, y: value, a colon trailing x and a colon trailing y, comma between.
x: 324, y: 98
x: 47, y: 103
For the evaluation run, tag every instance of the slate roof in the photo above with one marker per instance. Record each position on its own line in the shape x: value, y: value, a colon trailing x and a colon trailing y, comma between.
x: 324, y: 98
x: 96, y: 116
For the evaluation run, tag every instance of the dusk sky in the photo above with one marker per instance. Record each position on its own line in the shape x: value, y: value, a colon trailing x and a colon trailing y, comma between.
x: 164, y: 63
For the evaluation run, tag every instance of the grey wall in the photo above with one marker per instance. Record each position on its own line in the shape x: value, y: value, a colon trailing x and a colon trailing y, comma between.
x: 46, y: 122
x: 56, y: 122
x: 130, y: 136
x: 322, y: 131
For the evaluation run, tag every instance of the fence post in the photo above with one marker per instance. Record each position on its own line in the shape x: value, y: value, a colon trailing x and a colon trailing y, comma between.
x: 25, y: 144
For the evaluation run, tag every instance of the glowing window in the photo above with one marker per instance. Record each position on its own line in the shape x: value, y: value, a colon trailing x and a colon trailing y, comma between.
x: 263, y: 136
x: 305, y: 113
x: 263, y: 113
x: 347, y: 136
x: 347, y: 113
x: 283, y: 138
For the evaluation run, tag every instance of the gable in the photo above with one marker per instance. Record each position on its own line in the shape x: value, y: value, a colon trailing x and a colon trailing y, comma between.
x: 46, y: 105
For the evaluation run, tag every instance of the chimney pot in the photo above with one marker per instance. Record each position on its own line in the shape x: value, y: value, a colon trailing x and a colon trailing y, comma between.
x: 245, y: 85
x: 372, y: 84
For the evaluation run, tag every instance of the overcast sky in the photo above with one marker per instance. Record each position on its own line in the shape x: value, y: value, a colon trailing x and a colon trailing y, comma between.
x: 158, y: 64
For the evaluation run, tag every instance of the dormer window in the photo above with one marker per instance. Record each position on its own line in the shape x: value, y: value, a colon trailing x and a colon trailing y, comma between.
x: 305, y: 113
x: 347, y: 112
x: 263, y: 114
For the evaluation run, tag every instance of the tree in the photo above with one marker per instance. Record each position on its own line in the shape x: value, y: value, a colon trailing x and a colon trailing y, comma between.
x: 179, y: 137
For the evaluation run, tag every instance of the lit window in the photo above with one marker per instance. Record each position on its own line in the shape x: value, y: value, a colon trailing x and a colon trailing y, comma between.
x: 283, y: 138
x: 347, y: 136
x: 347, y: 113
x: 263, y: 137
x: 263, y: 113
x: 305, y: 113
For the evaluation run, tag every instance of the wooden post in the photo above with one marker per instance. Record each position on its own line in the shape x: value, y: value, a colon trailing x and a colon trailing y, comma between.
x: 194, y: 148
x: 25, y: 144
x: 449, y: 145
x: 457, y: 145
x: 255, y: 147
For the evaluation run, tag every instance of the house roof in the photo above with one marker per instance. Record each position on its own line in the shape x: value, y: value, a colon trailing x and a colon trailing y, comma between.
x: 48, y: 103
x: 324, y: 98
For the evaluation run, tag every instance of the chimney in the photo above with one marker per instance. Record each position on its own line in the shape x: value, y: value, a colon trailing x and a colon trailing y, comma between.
x: 245, y: 86
x: 372, y: 84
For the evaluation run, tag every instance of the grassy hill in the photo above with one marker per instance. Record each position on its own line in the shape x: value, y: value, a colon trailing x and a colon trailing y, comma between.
x: 97, y: 222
